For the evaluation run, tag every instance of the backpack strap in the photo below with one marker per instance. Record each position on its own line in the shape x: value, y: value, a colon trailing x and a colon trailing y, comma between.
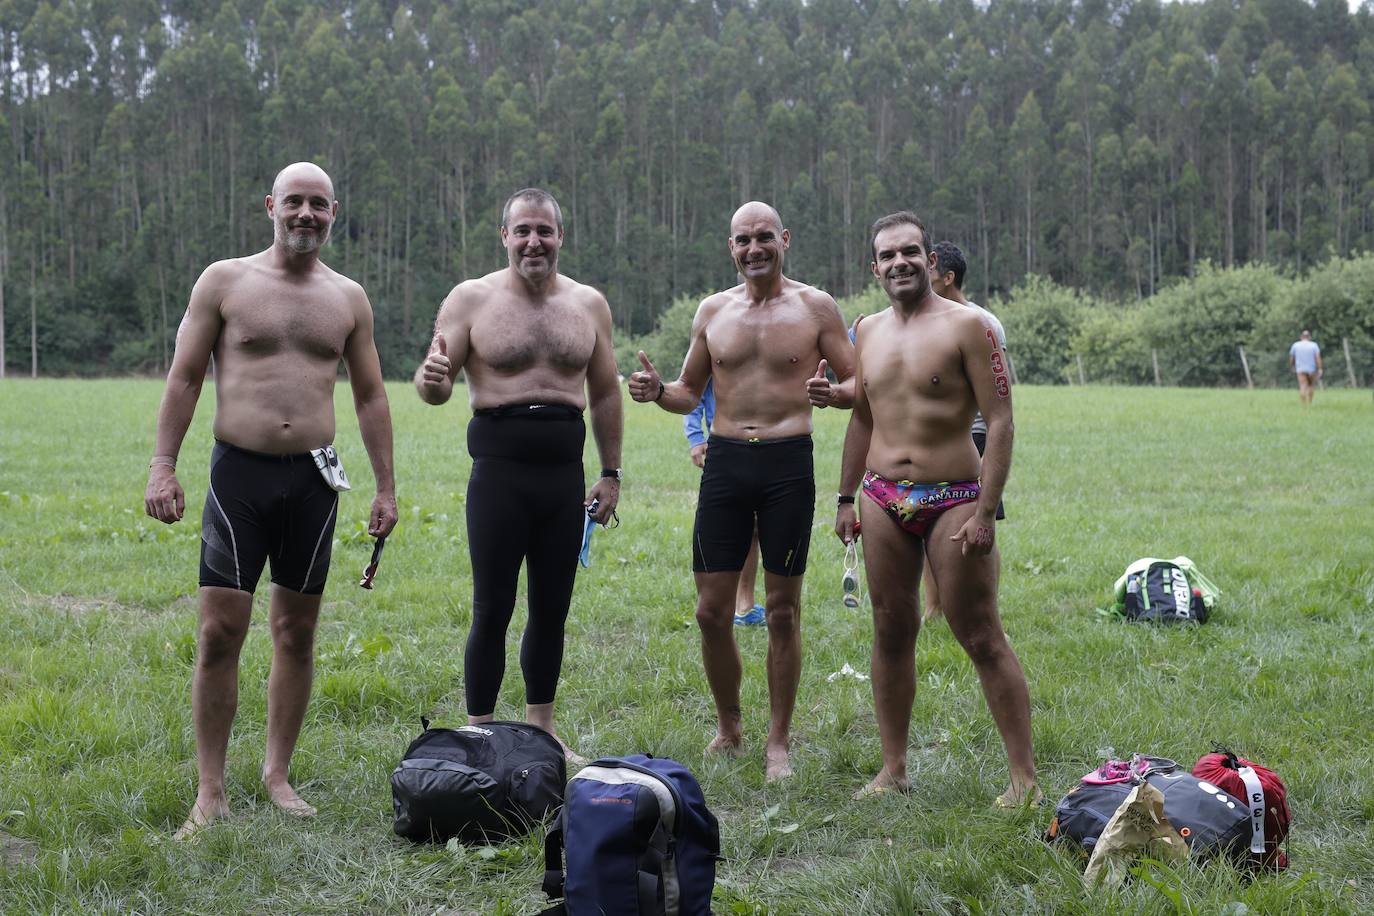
x: 652, y: 873
x: 553, y: 861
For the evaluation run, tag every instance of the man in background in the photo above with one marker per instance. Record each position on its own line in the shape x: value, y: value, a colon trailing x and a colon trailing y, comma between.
x: 1305, y: 358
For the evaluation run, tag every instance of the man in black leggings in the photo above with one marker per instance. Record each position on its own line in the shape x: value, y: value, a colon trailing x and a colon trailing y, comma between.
x: 528, y: 339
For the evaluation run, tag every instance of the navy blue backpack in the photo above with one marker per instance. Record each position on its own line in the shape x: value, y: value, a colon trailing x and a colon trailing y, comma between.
x: 638, y: 841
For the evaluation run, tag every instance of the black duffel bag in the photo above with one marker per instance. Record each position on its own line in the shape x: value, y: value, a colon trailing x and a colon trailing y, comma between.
x: 1208, y: 819
x: 480, y: 783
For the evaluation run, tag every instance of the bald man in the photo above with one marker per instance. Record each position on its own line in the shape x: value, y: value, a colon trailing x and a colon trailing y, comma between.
x: 277, y: 323
x: 766, y: 343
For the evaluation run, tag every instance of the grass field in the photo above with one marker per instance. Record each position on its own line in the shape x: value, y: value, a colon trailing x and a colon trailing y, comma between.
x: 97, y: 620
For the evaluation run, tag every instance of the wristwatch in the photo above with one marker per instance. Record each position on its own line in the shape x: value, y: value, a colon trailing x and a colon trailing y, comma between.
x: 611, y: 472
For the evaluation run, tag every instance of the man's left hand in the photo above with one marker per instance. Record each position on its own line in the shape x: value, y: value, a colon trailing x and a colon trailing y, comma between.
x: 607, y: 491
x: 978, y: 534
x: 819, y: 389
x: 383, y: 517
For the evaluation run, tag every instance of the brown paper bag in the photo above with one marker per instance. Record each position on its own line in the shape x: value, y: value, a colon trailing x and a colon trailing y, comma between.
x: 1138, y: 828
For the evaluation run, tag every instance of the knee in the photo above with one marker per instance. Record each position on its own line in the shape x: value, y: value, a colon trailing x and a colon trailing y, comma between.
x: 715, y: 619
x: 220, y: 639
x: 986, y: 647
x: 783, y: 619
x: 294, y: 637
x: 894, y: 633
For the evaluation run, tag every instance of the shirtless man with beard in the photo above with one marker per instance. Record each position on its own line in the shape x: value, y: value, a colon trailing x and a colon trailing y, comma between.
x: 277, y: 323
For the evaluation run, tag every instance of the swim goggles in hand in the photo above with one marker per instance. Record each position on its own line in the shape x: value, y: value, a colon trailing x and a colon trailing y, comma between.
x: 850, y: 583
x: 584, y: 556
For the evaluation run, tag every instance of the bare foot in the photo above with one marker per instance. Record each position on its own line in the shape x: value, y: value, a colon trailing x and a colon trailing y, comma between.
x: 726, y: 745
x: 883, y: 784
x: 1024, y: 795
x: 573, y: 758
x: 777, y: 763
x: 285, y: 798
x: 932, y: 614
x: 203, y: 813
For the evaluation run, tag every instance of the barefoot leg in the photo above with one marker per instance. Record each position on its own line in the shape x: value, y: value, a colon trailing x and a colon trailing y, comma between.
x: 224, y: 614
x: 293, y: 618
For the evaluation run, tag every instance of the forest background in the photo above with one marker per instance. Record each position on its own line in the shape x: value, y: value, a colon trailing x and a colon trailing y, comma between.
x: 1134, y: 183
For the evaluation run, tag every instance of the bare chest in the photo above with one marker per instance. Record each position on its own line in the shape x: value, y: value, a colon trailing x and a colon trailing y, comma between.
x: 896, y: 365
x: 557, y: 335
x: 264, y: 320
x: 781, y: 342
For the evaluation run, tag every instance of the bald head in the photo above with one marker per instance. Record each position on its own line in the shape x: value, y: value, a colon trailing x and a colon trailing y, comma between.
x: 755, y: 211
x: 298, y: 172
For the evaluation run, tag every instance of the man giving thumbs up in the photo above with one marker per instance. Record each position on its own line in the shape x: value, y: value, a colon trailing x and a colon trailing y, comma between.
x: 759, y: 341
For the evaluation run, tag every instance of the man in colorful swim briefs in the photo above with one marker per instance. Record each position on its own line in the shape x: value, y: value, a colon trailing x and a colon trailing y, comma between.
x: 536, y: 348
x: 277, y: 323
x: 765, y: 344
x: 924, y: 366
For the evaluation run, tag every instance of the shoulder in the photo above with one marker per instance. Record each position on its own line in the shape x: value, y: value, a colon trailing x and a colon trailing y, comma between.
x: 468, y: 295
x: 716, y: 303
x: 229, y: 271
x: 586, y: 295
x: 991, y: 321
x: 966, y: 321
x: 816, y: 300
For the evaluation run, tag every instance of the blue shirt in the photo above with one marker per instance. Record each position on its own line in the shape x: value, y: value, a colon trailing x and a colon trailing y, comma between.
x: 696, y: 423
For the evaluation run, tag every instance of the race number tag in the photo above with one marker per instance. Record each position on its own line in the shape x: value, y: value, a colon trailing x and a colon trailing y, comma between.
x: 327, y: 460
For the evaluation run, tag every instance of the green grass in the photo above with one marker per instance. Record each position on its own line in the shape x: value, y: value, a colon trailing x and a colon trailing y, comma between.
x: 97, y: 622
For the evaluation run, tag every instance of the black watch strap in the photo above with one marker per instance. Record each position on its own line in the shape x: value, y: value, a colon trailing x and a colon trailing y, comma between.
x: 611, y: 472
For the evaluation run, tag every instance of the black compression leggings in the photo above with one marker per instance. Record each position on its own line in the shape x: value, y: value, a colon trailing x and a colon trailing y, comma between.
x: 524, y: 503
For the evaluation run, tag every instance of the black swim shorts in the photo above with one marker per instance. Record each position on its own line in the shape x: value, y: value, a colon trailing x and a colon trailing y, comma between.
x: 771, y: 480
x: 980, y: 442
x: 266, y: 507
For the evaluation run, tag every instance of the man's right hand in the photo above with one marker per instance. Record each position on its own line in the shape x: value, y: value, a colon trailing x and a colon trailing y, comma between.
x: 435, y: 371
x: 846, y: 523
x: 164, y: 499
x: 646, y: 385
x: 698, y: 453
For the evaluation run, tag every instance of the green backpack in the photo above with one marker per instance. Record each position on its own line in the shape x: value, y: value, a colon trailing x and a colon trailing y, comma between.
x: 1165, y: 591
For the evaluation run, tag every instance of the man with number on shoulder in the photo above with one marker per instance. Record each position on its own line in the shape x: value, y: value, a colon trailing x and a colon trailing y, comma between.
x: 923, y: 367
x: 277, y: 323
x: 947, y: 280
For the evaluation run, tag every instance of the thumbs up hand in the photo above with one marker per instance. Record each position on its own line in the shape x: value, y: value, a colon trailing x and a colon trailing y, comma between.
x: 819, y: 389
x: 436, y: 369
x: 646, y: 384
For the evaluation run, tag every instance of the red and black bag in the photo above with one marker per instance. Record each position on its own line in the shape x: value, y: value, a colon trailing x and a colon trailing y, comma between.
x: 1264, y: 794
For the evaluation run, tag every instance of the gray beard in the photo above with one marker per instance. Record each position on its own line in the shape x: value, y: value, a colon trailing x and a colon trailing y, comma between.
x: 302, y: 241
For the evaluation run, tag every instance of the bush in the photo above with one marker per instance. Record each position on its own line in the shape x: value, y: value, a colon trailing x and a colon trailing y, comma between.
x: 1113, y: 345
x: 1197, y: 324
x: 666, y: 345
x: 1041, y: 319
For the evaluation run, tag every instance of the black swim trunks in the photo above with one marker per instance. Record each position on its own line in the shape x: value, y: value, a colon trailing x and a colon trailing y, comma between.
x: 980, y: 441
x: 266, y: 507
x: 771, y: 480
